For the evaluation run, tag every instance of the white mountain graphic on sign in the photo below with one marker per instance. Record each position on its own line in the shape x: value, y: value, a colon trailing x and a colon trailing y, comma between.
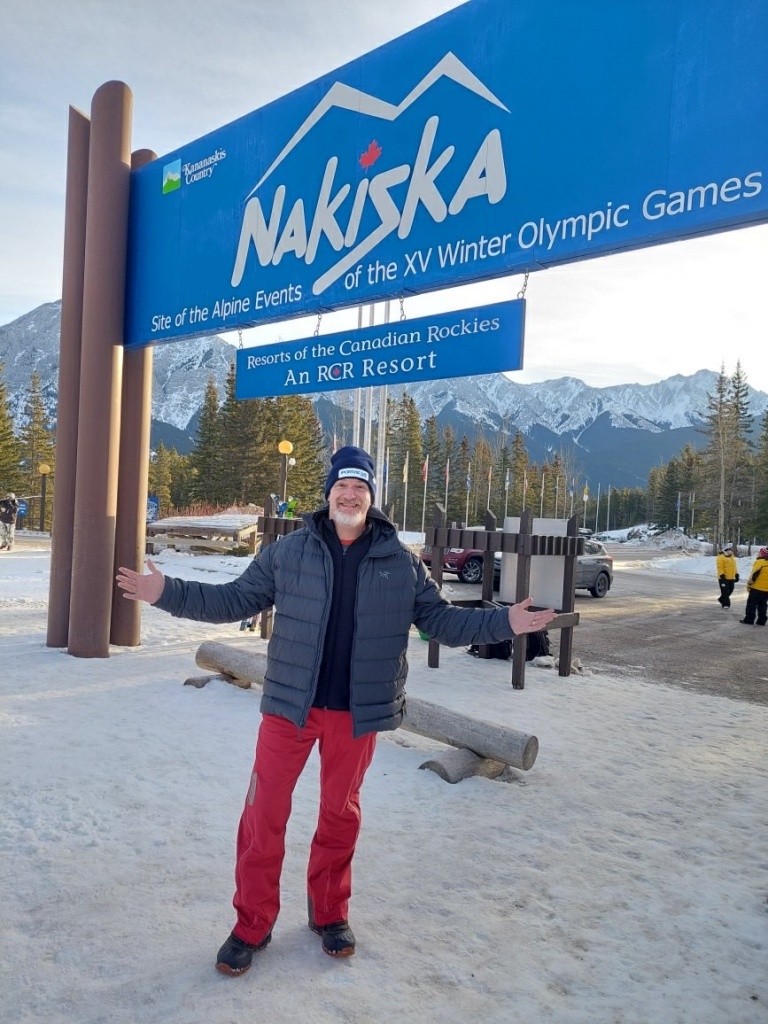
x: 344, y: 96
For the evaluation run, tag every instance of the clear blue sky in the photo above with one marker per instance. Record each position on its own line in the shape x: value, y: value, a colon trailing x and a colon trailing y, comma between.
x: 194, y: 66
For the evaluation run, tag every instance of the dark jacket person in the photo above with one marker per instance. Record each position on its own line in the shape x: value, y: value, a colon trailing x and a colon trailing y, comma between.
x: 345, y: 592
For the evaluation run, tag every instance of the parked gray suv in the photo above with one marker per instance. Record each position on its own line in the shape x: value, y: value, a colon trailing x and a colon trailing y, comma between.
x: 594, y: 569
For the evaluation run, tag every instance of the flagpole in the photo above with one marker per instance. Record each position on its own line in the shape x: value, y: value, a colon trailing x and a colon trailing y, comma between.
x: 490, y: 474
x: 368, y: 435
x: 358, y: 393
x: 425, y: 471
x: 608, y: 515
x: 466, y: 510
x: 597, y: 511
x: 381, y: 434
x: 506, y: 493
x: 386, y: 477
x: 541, y: 503
x: 405, y: 481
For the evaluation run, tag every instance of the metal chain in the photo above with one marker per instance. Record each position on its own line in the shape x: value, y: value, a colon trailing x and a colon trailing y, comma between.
x: 317, y: 325
x: 402, y: 308
x: 239, y: 339
x: 521, y: 293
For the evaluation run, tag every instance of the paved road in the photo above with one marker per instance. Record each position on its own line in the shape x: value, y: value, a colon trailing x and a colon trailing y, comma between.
x: 668, y: 629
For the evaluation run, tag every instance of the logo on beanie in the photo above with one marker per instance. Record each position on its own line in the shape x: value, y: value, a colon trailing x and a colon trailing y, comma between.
x: 361, y: 474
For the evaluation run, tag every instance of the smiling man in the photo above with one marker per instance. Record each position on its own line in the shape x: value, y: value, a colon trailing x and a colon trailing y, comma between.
x: 345, y: 592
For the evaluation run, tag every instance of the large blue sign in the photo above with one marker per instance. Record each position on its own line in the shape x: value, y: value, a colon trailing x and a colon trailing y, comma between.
x: 506, y: 135
x: 427, y: 348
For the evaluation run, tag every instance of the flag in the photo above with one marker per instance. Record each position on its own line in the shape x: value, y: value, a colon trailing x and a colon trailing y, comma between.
x: 585, y: 495
x: 447, y: 471
x: 573, y: 485
x: 405, y: 467
x: 525, y: 481
x: 425, y: 469
x: 506, y: 481
x: 469, y: 477
x: 384, y: 473
x: 490, y: 473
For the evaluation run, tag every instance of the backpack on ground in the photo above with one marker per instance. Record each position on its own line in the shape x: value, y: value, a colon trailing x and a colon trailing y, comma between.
x: 502, y: 649
x: 538, y: 645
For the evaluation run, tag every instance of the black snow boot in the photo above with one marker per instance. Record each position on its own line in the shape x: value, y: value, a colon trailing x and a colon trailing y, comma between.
x: 338, y: 938
x: 235, y: 956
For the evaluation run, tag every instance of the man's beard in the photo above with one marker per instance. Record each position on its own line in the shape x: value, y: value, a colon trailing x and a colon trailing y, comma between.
x: 348, y: 517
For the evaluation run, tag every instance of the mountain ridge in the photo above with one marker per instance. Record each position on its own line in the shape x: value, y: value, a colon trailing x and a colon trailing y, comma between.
x: 560, y: 413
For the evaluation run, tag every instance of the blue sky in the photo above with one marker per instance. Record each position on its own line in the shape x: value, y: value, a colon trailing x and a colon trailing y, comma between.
x: 195, y: 66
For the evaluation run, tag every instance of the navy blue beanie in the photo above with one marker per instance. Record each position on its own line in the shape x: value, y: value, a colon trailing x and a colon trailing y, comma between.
x: 351, y: 462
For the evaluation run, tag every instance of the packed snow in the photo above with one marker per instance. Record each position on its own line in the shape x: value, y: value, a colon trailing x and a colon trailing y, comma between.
x: 622, y: 880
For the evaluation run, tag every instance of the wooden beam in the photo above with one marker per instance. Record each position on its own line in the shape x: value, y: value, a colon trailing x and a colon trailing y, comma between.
x: 486, y: 740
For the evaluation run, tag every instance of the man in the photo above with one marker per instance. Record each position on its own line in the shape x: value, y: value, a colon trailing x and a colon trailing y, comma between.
x: 757, y: 592
x: 9, y: 510
x: 345, y: 592
x: 727, y: 575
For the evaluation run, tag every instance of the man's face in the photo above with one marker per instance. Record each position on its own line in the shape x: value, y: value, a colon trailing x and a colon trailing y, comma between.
x: 348, y: 502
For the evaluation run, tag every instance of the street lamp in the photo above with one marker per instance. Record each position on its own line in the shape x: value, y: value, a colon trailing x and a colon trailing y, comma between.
x: 285, y: 448
x: 43, y: 469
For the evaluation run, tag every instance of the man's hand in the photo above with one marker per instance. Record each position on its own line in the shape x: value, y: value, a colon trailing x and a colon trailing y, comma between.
x: 523, y: 621
x: 137, y: 587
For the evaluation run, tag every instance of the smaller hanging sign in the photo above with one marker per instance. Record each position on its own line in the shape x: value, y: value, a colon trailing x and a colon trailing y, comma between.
x: 466, y: 342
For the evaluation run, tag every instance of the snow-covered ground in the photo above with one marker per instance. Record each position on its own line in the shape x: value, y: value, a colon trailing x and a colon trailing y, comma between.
x: 623, y: 880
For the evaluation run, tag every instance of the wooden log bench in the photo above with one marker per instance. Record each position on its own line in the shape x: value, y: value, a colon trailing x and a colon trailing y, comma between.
x: 479, y: 748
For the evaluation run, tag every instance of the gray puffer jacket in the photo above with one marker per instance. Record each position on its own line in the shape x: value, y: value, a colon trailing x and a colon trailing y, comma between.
x: 295, y: 574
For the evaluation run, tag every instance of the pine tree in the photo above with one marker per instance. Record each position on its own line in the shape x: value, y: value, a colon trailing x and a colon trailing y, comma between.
x: 161, y: 477
x: 206, y: 456
x: 37, y: 446
x: 518, y: 475
x: 760, y: 479
x: 727, y: 458
x: 10, y: 456
x: 433, y: 450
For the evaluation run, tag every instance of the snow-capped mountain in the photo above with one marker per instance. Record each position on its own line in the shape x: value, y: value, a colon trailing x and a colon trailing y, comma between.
x: 616, y: 432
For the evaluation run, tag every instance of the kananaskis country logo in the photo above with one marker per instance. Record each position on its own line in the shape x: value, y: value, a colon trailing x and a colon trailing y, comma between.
x: 200, y: 170
x: 172, y: 176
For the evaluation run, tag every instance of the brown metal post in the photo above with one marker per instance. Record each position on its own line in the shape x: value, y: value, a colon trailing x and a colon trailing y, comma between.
x: 522, y: 590
x: 132, y: 476
x: 62, y: 527
x: 93, y: 549
x: 569, y: 601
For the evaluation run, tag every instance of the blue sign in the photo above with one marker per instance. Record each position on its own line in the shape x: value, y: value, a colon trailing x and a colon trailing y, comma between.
x: 403, y: 352
x: 153, y: 508
x: 501, y: 137
x: 23, y: 508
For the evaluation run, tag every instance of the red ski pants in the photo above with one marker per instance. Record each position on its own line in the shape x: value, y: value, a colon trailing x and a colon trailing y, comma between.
x: 282, y: 750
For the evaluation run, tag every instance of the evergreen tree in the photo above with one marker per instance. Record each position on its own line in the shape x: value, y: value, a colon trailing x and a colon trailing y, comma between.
x: 405, y: 459
x: 726, y: 458
x: 206, y: 456
x: 181, y: 480
x: 37, y: 446
x: 518, y: 475
x: 760, y: 479
x: 433, y: 450
x: 10, y: 456
x: 160, y: 478
x: 293, y: 419
x: 450, y: 467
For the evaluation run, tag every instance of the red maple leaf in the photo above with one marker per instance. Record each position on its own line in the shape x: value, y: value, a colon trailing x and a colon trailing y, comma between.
x: 371, y: 155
